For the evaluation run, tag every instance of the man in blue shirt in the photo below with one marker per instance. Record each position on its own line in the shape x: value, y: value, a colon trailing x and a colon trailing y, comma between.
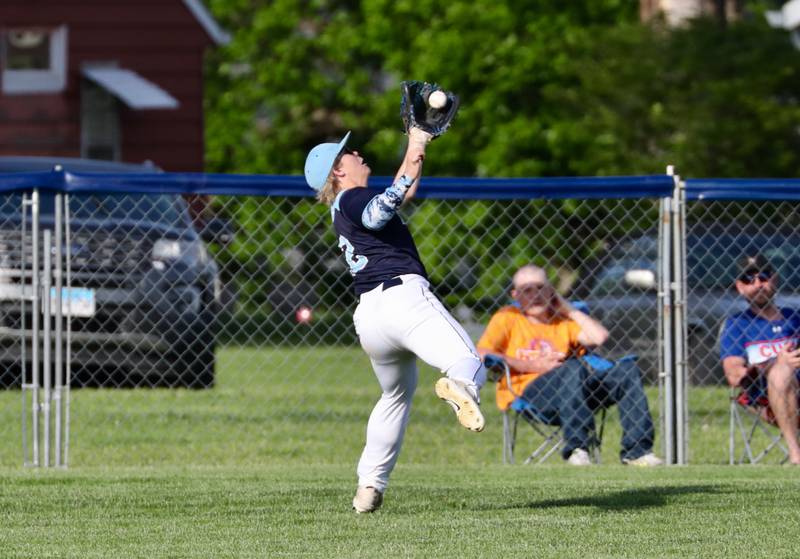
x: 759, y: 347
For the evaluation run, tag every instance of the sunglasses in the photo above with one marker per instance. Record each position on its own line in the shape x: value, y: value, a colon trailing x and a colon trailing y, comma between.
x: 751, y: 277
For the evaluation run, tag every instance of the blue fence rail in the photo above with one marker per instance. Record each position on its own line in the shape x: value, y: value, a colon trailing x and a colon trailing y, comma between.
x: 443, y: 188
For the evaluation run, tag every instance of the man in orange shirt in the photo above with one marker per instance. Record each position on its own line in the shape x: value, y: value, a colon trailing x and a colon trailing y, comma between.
x: 543, y: 339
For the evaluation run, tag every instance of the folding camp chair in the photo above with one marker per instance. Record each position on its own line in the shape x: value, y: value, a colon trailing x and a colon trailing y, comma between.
x: 548, y: 429
x: 751, y: 416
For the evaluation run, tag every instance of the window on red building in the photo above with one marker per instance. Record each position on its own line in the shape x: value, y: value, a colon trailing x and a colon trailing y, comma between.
x: 33, y: 59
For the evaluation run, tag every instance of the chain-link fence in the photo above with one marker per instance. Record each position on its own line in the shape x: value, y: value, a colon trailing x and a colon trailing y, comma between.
x: 240, y: 295
x: 725, y: 221
x: 247, y: 296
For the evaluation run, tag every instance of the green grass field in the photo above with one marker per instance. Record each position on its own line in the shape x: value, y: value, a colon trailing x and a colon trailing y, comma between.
x: 263, y: 465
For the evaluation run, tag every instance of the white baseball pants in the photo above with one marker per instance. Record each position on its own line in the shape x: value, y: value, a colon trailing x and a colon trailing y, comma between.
x: 395, y: 327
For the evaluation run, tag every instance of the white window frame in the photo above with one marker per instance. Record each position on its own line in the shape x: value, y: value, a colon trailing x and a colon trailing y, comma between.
x: 16, y: 82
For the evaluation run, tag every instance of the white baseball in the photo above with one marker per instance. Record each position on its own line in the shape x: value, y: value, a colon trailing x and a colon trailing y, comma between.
x: 437, y: 99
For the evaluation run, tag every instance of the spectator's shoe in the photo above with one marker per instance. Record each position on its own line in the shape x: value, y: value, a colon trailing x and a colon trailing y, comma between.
x: 463, y: 401
x: 367, y: 499
x: 579, y: 457
x: 646, y: 460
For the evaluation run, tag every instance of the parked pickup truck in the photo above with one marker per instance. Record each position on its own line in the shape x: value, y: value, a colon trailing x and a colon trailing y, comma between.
x: 145, y: 290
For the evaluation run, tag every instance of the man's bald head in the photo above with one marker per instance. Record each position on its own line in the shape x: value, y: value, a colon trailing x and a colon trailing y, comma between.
x: 529, y: 274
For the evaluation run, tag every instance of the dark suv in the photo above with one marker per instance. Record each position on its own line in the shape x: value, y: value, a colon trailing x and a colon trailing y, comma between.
x: 620, y: 290
x: 149, y: 287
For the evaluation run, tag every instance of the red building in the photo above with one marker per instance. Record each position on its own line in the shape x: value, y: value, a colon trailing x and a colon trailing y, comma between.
x: 105, y: 79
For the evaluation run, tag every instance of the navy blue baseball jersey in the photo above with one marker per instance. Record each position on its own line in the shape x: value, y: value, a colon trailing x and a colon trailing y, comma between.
x: 756, y: 339
x: 377, y: 245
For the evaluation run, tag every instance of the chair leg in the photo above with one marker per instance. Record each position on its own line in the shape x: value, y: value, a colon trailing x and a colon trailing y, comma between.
x: 548, y: 436
x: 551, y: 443
x: 731, y: 434
x: 766, y: 451
x: 553, y: 448
x: 748, y: 434
x: 747, y: 452
x: 508, y: 444
x: 775, y: 440
x: 552, y: 439
x: 513, y: 441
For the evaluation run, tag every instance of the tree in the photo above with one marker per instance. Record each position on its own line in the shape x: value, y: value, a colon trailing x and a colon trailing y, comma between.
x: 315, y: 69
x: 549, y: 88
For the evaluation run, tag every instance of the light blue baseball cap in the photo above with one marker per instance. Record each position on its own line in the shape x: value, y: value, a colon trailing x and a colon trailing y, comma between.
x: 320, y: 160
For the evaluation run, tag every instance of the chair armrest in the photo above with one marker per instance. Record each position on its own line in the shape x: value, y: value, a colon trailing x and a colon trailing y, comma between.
x: 497, y: 368
x: 494, y: 362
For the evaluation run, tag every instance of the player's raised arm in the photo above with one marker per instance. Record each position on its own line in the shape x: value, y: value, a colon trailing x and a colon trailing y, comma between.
x: 382, y: 208
x: 426, y: 111
x: 411, y: 166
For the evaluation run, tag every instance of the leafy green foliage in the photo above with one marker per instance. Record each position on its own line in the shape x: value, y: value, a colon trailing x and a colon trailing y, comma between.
x: 314, y: 69
x: 717, y: 102
x: 548, y: 88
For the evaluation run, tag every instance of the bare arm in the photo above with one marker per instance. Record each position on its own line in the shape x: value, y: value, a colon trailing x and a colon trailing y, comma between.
x: 541, y: 365
x: 411, y: 168
x: 592, y: 333
x: 735, y: 369
x: 412, y: 162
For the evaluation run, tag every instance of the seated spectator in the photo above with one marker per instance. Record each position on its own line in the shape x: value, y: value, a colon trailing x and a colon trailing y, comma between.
x: 759, y: 348
x: 543, y: 339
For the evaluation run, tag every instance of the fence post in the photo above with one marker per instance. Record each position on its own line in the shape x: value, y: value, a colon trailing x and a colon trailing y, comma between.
x: 666, y: 389
x: 681, y: 328
x: 68, y: 343
x: 44, y: 384
x: 677, y: 374
x: 47, y: 395
x: 29, y: 452
x: 59, y: 339
x: 35, y: 319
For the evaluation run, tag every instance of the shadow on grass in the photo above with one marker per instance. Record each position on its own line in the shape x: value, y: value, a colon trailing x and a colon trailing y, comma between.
x: 629, y: 499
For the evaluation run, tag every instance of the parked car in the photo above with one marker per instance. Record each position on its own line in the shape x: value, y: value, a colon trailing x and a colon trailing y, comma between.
x: 620, y: 290
x: 150, y: 290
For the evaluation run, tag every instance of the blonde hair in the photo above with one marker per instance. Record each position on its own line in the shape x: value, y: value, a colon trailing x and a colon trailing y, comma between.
x: 328, y: 192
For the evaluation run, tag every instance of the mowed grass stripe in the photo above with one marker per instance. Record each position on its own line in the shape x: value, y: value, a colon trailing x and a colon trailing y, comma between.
x: 303, y: 511
x: 299, y: 405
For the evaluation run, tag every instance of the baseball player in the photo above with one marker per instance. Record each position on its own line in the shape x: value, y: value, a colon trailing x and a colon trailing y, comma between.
x: 397, y: 317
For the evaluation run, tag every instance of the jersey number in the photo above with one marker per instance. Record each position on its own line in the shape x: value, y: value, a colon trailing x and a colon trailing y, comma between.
x: 355, y: 261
